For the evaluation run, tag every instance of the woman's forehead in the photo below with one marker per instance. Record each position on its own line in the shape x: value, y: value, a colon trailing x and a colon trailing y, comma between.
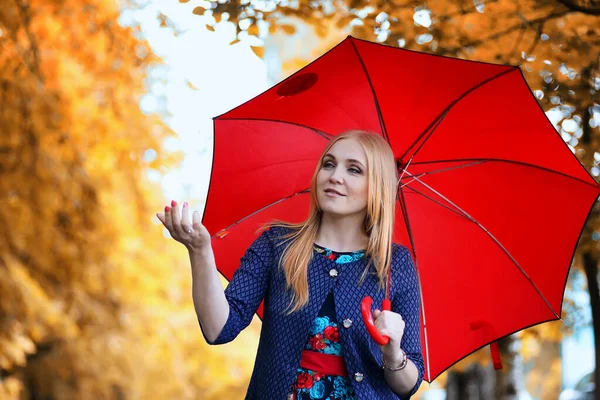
x: 348, y: 149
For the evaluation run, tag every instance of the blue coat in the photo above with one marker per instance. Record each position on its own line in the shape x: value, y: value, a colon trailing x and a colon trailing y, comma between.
x: 282, y: 337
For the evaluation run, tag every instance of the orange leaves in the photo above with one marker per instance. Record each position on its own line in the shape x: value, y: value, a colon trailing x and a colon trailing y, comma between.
x: 288, y: 29
x: 71, y: 119
x: 90, y: 285
x: 163, y: 20
x: 190, y: 85
x: 259, y: 51
x: 11, y: 388
x: 253, y: 30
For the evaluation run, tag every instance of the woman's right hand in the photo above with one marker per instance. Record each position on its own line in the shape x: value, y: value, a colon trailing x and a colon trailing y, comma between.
x: 193, y: 236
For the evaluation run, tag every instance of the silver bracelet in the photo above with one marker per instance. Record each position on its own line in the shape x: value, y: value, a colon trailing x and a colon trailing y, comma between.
x: 401, y: 366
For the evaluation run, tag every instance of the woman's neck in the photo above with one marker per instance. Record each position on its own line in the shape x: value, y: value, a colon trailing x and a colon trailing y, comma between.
x: 342, y: 234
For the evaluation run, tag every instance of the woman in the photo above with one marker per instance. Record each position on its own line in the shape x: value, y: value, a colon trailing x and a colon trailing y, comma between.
x: 313, y: 276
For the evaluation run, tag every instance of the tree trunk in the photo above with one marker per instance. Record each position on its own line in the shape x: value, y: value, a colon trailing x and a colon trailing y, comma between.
x: 506, y: 384
x: 475, y: 383
x: 590, y: 266
x: 590, y: 262
x: 484, y: 383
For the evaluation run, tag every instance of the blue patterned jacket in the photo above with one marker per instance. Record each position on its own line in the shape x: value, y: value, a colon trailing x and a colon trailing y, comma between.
x: 282, y: 338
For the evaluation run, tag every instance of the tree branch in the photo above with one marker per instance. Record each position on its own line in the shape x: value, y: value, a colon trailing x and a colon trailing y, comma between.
x: 576, y: 7
x: 469, y: 10
x: 540, y: 29
x: 42, y: 349
x: 497, y: 35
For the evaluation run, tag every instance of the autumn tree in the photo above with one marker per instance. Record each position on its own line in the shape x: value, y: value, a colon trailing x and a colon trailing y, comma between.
x: 94, y: 302
x: 555, y: 42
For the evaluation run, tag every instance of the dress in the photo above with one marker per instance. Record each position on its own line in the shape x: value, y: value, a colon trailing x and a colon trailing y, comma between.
x: 283, y: 336
x: 324, y: 338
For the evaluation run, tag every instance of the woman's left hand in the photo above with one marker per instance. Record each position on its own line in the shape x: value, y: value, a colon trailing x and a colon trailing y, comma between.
x: 390, y: 324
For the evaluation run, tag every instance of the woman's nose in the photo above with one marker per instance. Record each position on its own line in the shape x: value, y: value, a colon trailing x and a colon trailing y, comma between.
x: 336, y: 177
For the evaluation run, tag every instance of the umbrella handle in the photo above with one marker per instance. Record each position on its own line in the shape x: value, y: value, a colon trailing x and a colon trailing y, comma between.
x: 365, y: 309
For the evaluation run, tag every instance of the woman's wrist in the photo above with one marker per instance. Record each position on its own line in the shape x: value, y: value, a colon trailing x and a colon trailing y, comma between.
x: 396, y: 361
x: 203, y: 250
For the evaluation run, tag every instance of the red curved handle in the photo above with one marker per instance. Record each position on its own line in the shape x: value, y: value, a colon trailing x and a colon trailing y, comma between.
x: 365, y: 309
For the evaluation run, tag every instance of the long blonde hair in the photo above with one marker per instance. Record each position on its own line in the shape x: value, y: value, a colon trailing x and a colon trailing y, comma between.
x: 378, y: 224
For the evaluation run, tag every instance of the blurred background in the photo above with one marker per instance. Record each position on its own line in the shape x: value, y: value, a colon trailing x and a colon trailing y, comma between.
x: 105, y: 116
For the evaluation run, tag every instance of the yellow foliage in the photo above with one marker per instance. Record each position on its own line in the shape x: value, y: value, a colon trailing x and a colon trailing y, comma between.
x: 95, y: 303
x: 259, y: 51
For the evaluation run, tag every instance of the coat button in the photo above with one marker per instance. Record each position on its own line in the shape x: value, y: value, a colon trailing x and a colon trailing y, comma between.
x: 358, y: 377
x: 333, y: 273
x: 347, y: 323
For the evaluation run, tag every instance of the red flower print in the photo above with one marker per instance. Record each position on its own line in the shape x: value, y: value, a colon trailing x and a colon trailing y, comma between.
x: 332, y: 333
x: 316, y: 342
x: 317, y: 376
x: 304, y: 381
x: 331, y: 256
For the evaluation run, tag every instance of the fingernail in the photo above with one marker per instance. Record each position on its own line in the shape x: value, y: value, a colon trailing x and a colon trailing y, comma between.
x: 173, y: 203
x: 185, y: 204
x: 167, y: 208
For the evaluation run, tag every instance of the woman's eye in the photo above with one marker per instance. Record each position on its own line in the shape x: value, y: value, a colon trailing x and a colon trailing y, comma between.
x: 328, y: 164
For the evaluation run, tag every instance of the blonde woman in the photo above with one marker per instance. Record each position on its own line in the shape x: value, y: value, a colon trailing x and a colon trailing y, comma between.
x: 313, y: 276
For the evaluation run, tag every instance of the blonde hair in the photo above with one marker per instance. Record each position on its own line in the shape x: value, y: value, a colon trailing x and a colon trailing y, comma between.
x: 382, y: 180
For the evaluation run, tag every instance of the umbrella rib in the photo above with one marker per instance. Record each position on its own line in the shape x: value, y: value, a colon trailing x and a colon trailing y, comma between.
x: 318, y: 132
x: 437, y: 171
x: 400, y: 193
x: 506, y: 161
x: 379, y: 113
x: 445, y: 111
x: 469, y: 217
x: 438, y: 202
x: 218, y: 234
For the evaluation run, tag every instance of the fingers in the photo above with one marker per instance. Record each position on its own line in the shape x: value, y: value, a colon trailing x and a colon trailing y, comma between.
x: 168, y: 220
x: 196, y: 220
x: 388, y: 322
x: 179, y: 226
x: 185, y: 218
x: 176, y: 219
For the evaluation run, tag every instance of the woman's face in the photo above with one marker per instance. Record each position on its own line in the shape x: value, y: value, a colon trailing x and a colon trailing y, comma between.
x: 344, y: 170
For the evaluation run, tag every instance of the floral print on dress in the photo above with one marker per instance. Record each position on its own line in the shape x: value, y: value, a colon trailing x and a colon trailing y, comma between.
x: 324, y: 337
x: 340, y: 258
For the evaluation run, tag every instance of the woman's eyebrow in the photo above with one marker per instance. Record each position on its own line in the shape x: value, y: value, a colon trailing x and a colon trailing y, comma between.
x: 350, y: 159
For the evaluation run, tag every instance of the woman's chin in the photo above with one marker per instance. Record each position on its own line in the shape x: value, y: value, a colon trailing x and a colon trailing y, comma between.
x: 337, y: 211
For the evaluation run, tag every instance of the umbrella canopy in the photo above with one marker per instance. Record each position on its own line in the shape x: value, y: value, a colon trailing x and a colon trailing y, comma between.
x: 491, y: 201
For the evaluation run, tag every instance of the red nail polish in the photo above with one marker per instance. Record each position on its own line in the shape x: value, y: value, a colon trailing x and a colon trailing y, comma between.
x: 185, y: 204
x: 173, y: 203
x: 167, y: 208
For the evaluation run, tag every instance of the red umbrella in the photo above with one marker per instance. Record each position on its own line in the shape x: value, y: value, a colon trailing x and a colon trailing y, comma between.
x: 491, y: 201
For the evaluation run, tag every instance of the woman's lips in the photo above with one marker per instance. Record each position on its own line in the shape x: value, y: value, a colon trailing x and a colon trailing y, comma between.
x: 333, y: 193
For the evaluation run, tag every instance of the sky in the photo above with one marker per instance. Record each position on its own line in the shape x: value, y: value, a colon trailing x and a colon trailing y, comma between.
x: 226, y: 76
